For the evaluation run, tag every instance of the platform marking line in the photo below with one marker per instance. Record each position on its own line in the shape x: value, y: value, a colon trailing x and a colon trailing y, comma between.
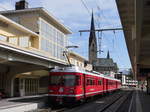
x: 138, y: 103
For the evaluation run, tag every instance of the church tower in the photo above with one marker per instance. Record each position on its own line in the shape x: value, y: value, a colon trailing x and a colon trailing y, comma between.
x: 108, y: 55
x: 92, y: 43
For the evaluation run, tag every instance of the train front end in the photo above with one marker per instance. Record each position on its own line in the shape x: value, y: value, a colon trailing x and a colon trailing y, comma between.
x: 63, y: 86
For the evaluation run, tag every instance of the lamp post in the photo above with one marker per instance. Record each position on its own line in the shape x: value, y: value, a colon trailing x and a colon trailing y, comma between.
x: 66, y: 53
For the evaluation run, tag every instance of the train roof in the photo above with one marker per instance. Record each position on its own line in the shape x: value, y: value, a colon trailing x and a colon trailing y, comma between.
x: 75, y: 69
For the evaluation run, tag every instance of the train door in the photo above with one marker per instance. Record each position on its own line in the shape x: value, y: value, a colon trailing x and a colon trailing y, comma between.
x: 84, y: 85
x: 103, y: 85
x: 107, y: 85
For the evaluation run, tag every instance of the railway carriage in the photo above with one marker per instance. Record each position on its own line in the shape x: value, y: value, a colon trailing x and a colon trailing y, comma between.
x: 71, y: 84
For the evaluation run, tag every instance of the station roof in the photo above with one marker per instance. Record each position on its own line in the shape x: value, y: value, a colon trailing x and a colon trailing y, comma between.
x: 42, y: 11
x: 135, y: 19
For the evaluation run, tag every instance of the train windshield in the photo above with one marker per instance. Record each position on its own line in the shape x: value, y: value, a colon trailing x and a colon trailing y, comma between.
x: 63, y: 80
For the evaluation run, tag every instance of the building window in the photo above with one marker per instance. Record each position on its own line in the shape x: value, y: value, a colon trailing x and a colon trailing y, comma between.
x: 77, y: 63
x: 3, y: 38
x: 24, y: 41
x: 80, y: 64
x: 13, y: 41
x: 53, y: 41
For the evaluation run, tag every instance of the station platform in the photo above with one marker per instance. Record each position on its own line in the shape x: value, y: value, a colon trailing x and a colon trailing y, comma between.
x: 144, y: 101
x: 23, y: 104
x: 140, y: 101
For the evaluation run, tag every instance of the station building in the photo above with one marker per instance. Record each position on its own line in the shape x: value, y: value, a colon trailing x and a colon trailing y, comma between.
x: 77, y: 60
x: 37, y: 32
x: 128, y: 81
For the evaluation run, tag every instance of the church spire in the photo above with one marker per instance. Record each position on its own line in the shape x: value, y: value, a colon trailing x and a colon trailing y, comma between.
x: 108, y: 56
x: 92, y: 43
x: 92, y: 30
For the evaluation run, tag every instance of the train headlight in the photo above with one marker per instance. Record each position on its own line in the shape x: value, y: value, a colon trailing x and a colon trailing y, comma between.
x: 71, y: 91
x: 51, y: 91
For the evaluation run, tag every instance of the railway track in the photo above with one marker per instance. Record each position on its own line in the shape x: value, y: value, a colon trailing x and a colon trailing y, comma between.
x: 109, y: 103
x: 118, y: 105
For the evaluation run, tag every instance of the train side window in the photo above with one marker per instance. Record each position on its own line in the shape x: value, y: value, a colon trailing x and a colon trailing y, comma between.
x: 87, y: 81
x: 94, y: 81
x: 99, y: 82
x: 90, y: 81
x: 78, y: 80
x: 110, y: 83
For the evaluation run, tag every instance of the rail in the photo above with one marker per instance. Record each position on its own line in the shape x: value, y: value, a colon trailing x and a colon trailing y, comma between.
x: 116, y: 105
x: 110, y: 103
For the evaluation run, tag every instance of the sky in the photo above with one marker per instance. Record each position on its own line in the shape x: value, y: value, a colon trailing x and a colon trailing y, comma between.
x: 77, y: 16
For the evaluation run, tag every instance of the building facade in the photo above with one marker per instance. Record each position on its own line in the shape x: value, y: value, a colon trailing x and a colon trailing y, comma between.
x: 128, y: 81
x: 37, y: 32
x: 77, y: 60
x: 52, y: 34
x: 106, y: 66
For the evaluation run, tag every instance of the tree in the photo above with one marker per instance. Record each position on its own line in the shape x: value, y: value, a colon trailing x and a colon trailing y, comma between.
x: 131, y: 73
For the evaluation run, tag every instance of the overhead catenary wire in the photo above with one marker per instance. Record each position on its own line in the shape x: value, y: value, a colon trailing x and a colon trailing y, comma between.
x: 102, y: 14
x: 1, y: 7
x: 118, y: 48
x: 84, y: 4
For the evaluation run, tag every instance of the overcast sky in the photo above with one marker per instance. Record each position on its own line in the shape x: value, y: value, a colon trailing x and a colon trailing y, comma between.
x: 74, y: 15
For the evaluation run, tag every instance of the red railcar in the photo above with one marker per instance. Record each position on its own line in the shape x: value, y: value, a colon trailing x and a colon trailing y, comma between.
x: 73, y: 84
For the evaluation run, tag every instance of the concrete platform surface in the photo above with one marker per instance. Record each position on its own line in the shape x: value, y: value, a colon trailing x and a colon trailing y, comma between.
x: 144, y: 101
x: 22, y: 104
x: 6, y: 106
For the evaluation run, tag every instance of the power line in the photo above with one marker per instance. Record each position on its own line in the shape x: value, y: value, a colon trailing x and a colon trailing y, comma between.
x: 102, y: 14
x: 3, y: 7
x: 84, y: 4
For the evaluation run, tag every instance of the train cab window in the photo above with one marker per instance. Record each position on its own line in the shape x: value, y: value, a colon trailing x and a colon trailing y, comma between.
x: 63, y: 80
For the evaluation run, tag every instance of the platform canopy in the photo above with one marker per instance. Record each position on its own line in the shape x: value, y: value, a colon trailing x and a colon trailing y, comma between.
x: 135, y: 18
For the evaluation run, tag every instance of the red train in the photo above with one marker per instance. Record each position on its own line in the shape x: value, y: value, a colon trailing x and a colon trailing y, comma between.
x: 73, y: 84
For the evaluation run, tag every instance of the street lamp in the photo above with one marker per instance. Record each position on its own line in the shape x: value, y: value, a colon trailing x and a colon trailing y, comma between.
x: 66, y: 53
